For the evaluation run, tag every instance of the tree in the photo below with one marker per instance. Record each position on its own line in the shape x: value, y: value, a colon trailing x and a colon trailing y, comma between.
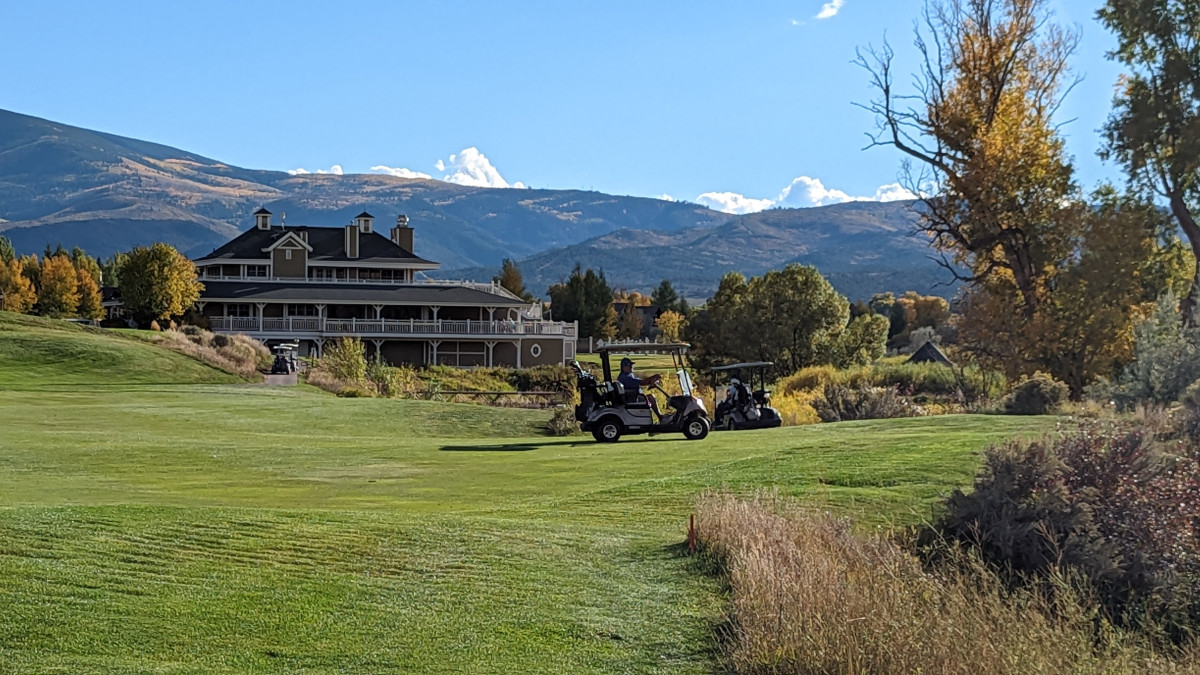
x: 630, y: 325
x: 7, y: 252
x: 110, y: 269
x: 59, y: 292
x: 32, y: 269
x: 863, y: 342
x: 671, y: 324
x: 90, y: 301
x: 1124, y: 256
x: 585, y: 297
x: 85, y: 262
x: 157, y: 283
x: 510, y: 279
x: 980, y: 127
x: 1154, y: 130
x: 16, y: 292
x: 666, y: 299
x: 792, y: 317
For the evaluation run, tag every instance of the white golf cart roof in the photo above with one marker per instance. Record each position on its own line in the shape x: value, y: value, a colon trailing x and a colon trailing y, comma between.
x: 643, y: 348
x: 751, y: 364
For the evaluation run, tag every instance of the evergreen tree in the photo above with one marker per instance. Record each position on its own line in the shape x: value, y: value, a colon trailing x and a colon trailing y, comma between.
x: 510, y: 279
x: 585, y: 297
x: 7, y: 252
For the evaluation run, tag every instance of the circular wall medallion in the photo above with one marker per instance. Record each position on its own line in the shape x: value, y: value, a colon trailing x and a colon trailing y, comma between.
x: 535, y: 350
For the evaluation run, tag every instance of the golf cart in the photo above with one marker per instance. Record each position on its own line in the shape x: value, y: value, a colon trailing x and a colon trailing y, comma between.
x: 744, y: 406
x: 609, y: 411
x: 285, y: 358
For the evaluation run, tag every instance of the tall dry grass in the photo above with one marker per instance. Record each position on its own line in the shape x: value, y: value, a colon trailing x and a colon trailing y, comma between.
x: 240, y: 355
x: 810, y: 596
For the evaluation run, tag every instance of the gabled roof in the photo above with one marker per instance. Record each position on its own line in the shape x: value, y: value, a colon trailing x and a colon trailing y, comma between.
x: 364, y: 214
x: 325, y: 243
x: 262, y: 212
x: 412, y: 294
x: 929, y: 353
x: 290, y: 236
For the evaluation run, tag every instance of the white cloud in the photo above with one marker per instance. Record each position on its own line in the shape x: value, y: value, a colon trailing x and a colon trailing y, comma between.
x: 666, y: 197
x: 732, y: 202
x: 398, y: 172
x: 471, y: 167
x: 803, y: 192
x: 830, y: 9
x: 892, y: 193
x: 336, y: 170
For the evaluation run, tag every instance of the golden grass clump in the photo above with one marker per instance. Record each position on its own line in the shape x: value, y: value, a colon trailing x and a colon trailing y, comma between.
x: 811, y: 596
x: 240, y: 355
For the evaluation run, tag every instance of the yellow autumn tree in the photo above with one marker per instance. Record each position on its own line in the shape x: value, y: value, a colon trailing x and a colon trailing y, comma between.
x: 58, y: 295
x: 671, y: 324
x: 90, y: 301
x: 16, y: 292
x: 158, y: 282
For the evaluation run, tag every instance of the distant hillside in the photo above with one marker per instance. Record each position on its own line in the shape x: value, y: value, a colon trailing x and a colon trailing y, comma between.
x: 105, y: 193
x: 861, y: 247
x: 63, y: 184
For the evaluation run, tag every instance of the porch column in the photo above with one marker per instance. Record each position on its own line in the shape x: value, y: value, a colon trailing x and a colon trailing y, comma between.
x: 321, y: 317
x: 320, y: 342
x: 378, y: 349
x: 260, y: 306
x: 434, y: 309
x: 200, y: 306
x: 433, y: 346
x: 378, y: 311
x: 490, y: 347
x: 518, y: 345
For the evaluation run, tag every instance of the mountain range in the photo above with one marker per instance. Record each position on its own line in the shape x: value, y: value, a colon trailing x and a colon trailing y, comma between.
x: 66, y: 185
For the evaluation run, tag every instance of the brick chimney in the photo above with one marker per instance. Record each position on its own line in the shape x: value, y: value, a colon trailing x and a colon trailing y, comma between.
x: 402, y: 234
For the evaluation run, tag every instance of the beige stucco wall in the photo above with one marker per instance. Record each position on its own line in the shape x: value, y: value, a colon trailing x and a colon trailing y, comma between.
x: 295, y: 268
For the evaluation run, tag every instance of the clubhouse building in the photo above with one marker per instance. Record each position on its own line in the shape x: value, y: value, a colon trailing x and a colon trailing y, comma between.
x: 313, y: 285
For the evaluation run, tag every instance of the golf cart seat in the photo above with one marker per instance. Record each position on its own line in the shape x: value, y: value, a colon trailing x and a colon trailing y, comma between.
x: 630, y: 399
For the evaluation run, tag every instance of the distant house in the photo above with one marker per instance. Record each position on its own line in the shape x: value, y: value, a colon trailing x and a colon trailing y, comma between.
x: 649, y: 316
x: 929, y: 353
x: 312, y: 285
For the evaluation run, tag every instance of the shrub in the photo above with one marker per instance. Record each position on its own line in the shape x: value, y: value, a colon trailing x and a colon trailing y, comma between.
x: 192, y: 330
x: 354, y: 392
x: 219, y: 340
x: 840, y: 403
x: 1101, y: 502
x: 543, y: 378
x: 562, y: 422
x: 812, y: 378
x: 1039, y: 394
x: 345, y: 360
x: 1166, y: 359
x: 1189, y: 418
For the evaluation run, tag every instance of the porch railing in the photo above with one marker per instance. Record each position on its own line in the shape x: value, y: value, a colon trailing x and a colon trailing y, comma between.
x: 385, y: 327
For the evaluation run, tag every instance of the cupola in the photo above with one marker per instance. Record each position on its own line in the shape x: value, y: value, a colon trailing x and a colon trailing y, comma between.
x: 262, y: 219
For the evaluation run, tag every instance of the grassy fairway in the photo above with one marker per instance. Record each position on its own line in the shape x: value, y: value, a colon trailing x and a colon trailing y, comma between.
x: 218, y: 528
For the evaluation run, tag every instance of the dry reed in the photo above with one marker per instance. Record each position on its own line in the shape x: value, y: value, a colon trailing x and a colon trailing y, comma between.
x: 237, y: 354
x: 810, y: 596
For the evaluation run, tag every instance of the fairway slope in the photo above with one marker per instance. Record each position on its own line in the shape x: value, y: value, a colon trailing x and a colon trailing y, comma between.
x: 37, y: 352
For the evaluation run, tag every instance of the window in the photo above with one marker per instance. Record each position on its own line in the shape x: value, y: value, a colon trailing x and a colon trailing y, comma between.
x: 287, y: 254
x: 535, y: 350
x: 256, y: 270
x: 302, y: 310
x: 321, y: 272
x: 238, y: 309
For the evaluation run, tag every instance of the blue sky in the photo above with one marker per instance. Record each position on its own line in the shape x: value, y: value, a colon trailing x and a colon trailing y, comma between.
x: 681, y: 99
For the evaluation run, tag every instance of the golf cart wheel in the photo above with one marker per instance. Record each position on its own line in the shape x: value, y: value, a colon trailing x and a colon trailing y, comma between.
x: 695, y: 428
x: 608, y: 430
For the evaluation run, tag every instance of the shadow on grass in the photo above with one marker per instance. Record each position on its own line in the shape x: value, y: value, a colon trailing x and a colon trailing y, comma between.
x: 526, y: 446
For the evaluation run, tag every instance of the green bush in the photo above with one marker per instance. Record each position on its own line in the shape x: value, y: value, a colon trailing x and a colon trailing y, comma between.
x: 1189, y: 416
x: 354, y: 392
x: 345, y: 360
x: 543, y: 378
x: 1036, y: 395
x: 1166, y: 359
x: 840, y: 403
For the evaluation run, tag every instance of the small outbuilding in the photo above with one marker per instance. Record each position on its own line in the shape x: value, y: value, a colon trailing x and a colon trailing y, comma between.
x: 929, y: 353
